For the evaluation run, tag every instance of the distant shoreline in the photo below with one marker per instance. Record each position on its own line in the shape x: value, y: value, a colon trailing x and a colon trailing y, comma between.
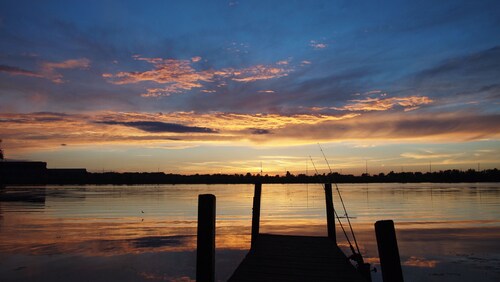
x: 152, y: 184
x: 81, y: 176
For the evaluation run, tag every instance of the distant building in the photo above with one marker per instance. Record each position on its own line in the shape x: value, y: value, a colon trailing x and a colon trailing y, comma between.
x: 19, y: 172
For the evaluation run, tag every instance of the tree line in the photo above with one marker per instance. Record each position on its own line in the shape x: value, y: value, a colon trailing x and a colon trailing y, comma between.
x: 454, y: 175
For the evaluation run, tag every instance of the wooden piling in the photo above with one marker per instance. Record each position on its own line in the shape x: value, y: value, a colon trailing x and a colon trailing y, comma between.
x: 256, y: 214
x: 330, y: 212
x: 388, y: 251
x: 205, y: 252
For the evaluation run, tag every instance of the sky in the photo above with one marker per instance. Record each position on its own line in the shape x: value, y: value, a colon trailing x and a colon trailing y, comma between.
x: 244, y: 86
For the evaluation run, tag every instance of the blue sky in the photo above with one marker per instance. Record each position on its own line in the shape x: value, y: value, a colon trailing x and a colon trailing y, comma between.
x: 175, y: 85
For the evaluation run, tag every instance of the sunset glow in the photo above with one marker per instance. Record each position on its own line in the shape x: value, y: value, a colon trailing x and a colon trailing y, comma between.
x: 237, y: 87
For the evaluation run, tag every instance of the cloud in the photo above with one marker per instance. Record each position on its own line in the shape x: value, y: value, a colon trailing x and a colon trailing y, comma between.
x: 384, y: 104
x: 68, y: 64
x: 467, y: 78
x: 317, y: 45
x: 156, y: 127
x: 459, y: 126
x: 35, y: 117
x: 178, y: 76
x: 486, y: 61
x: 278, y: 157
x: 373, y: 92
x: 24, y: 130
x: 48, y: 70
x: 18, y: 71
x: 305, y: 62
x: 259, y: 131
x: 195, y: 59
x: 259, y: 72
x: 426, y: 155
x: 243, y: 122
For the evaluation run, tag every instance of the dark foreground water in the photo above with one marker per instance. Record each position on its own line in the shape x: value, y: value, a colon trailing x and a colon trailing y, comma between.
x: 446, y: 232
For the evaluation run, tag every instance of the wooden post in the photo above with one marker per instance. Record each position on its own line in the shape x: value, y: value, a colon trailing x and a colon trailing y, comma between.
x: 388, y: 251
x: 256, y: 214
x: 365, y: 270
x: 205, y: 252
x: 330, y: 212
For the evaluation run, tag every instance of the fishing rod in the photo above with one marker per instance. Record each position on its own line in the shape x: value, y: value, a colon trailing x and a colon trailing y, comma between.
x: 343, y: 206
x: 354, y: 254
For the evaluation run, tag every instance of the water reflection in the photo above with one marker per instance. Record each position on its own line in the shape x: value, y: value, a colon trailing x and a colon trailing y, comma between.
x: 28, y: 195
x: 446, y: 232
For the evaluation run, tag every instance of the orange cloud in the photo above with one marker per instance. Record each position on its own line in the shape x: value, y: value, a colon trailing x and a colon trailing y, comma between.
x: 432, y: 127
x: 384, y: 104
x: 68, y: 64
x: 260, y: 72
x: 181, y: 129
x: 427, y: 155
x: 23, y: 130
x: 180, y: 75
x: 196, y: 59
x: 178, y: 72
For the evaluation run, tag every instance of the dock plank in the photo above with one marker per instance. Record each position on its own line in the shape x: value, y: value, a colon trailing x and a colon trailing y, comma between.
x: 295, y: 258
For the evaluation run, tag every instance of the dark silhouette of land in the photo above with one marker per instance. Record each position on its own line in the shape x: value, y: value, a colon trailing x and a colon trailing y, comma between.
x: 38, y: 173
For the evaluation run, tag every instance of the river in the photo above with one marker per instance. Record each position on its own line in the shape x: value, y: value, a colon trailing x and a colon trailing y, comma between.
x: 446, y: 232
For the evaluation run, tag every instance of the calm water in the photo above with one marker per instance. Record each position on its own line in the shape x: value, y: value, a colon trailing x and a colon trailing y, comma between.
x: 446, y: 232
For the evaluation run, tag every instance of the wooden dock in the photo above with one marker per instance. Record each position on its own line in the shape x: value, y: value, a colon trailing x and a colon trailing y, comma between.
x: 295, y: 258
